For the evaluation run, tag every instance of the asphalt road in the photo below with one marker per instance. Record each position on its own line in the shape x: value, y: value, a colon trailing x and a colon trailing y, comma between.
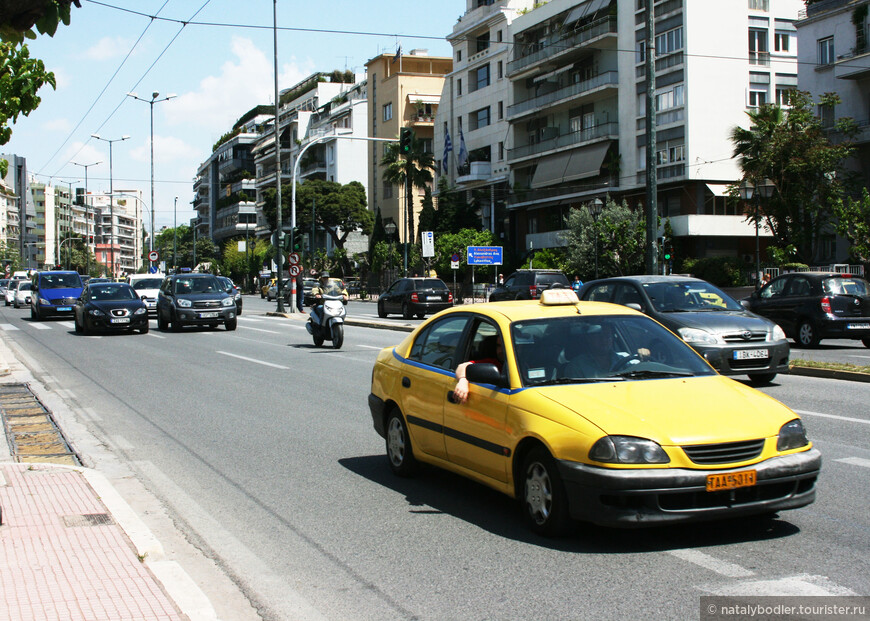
x: 260, y: 449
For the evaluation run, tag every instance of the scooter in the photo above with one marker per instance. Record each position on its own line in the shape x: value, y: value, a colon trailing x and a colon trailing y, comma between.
x: 328, y: 325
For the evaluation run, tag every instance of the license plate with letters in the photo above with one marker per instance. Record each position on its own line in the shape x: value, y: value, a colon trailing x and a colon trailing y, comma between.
x: 434, y: 298
x: 858, y: 326
x: 750, y: 354
x: 63, y: 309
x: 121, y: 320
x: 730, y: 480
x: 208, y: 315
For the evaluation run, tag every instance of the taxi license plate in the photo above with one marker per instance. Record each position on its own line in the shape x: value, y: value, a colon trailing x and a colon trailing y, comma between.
x: 64, y: 308
x: 730, y: 480
x: 121, y: 320
x: 750, y: 354
x: 208, y: 315
x: 858, y: 326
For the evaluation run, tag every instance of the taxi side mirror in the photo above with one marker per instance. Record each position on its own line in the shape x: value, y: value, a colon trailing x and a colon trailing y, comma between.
x: 484, y: 373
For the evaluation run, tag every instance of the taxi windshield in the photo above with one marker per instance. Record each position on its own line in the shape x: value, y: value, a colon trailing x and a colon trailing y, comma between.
x: 577, y: 349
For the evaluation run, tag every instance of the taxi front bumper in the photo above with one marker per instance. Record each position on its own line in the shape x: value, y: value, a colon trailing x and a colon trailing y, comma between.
x: 637, y: 498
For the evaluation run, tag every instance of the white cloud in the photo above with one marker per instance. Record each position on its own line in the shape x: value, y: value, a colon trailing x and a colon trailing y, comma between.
x: 57, y: 126
x: 242, y: 84
x: 166, y: 149
x: 107, y: 48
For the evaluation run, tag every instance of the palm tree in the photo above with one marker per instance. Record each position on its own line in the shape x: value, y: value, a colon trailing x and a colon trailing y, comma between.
x: 752, y: 145
x: 416, y: 165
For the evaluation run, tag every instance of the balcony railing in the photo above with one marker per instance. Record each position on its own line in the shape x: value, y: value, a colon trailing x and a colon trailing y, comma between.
x: 550, y: 49
x: 585, y: 135
x: 604, y: 79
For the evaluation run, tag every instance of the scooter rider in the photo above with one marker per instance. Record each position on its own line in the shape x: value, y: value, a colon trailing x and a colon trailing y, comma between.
x: 327, y: 286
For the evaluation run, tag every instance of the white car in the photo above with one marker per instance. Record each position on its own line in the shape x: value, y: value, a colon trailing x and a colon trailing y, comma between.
x: 147, y: 286
x: 22, y: 294
x: 10, y: 290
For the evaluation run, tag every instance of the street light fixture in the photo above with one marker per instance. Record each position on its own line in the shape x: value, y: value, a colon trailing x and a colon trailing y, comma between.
x: 87, y: 225
x: 151, y: 103
x: 764, y: 189
x: 111, y: 197
x: 595, y: 210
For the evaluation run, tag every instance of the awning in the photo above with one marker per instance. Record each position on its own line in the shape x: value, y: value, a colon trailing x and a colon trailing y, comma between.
x: 570, y: 165
x: 426, y: 99
x: 718, y: 189
x: 587, y: 8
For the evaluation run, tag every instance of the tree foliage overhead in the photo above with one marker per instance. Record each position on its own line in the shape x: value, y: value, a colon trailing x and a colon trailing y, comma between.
x: 791, y: 148
x: 853, y: 223
x: 18, y: 17
x: 621, y: 235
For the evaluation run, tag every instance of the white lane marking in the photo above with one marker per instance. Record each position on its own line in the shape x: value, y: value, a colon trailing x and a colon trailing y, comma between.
x: 370, y: 346
x: 246, y: 318
x: 846, y: 418
x: 8, y: 327
x: 856, y: 356
x: 855, y: 461
x: 156, y: 336
x: 66, y: 324
x: 261, y: 330
x: 40, y: 326
x: 268, y: 364
x: 723, y: 568
x: 803, y: 584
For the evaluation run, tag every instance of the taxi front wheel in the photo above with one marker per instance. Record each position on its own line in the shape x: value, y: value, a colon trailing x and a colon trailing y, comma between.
x: 545, y: 504
x: 399, y: 451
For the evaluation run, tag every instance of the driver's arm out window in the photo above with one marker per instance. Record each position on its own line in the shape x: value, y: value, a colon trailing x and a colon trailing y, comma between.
x: 437, y: 345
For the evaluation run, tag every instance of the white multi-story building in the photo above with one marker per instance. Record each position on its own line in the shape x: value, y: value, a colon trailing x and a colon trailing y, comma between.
x: 576, y: 111
x: 118, y: 229
x: 475, y: 100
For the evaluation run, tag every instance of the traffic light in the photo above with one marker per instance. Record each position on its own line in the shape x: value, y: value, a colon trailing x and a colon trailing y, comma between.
x: 405, y: 137
x: 666, y: 247
x: 297, y: 239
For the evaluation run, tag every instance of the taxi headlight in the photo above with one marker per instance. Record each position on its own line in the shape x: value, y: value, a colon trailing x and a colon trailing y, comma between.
x: 791, y: 436
x: 777, y: 334
x: 228, y: 301
x: 184, y: 303
x: 627, y: 450
x: 699, y: 337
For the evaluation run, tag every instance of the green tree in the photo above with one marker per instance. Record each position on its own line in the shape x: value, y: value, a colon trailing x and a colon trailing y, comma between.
x: 446, y: 244
x: 417, y: 165
x: 454, y: 213
x: 853, y: 223
x: 621, y: 235
x: 792, y: 149
x: 338, y: 209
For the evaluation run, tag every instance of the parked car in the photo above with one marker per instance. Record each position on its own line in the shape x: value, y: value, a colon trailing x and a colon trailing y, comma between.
x: 3, y: 284
x: 811, y: 306
x: 231, y: 288
x: 264, y: 288
x: 593, y: 412
x: 146, y: 286
x: 10, y: 290
x: 23, y: 294
x: 415, y: 296
x: 528, y: 284
x: 194, y: 299
x: 732, y: 339
x: 54, y: 294
x: 110, y: 306
x: 272, y: 293
x: 353, y: 285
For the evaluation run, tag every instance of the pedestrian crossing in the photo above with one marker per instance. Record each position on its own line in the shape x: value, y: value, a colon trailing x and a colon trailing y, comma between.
x: 69, y: 325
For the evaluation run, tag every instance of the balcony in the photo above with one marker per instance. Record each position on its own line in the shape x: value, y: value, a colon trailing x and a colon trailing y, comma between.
x: 598, y: 132
x: 609, y: 78
x: 478, y: 171
x: 550, y: 50
x: 853, y: 66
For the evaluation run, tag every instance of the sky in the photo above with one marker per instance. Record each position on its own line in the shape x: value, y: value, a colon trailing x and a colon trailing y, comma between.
x: 219, y: 66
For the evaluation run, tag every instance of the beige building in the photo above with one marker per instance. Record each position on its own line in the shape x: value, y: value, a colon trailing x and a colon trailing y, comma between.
x: 404, y: 90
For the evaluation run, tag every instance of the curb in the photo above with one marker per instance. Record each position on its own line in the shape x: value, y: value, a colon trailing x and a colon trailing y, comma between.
x: 852, y: 376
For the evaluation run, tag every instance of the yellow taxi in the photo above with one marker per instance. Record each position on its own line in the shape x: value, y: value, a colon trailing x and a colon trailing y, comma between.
x: 268, y: 284
x: 587, y: 411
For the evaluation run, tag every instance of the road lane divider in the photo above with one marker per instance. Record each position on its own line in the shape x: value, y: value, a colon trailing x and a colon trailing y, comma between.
x: 254, y: 360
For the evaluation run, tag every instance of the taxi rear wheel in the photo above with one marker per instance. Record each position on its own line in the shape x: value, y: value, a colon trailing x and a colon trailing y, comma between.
x: 545, y: 504
x: 399, y: 451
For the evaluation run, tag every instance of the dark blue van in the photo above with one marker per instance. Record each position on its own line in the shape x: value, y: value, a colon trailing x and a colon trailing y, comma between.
x: 54, y: 294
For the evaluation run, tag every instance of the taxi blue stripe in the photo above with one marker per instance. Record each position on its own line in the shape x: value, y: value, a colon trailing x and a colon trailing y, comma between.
x: 439, y: 370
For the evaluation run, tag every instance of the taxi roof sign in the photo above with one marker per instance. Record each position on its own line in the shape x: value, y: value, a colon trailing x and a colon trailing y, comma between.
x: 558, y: 297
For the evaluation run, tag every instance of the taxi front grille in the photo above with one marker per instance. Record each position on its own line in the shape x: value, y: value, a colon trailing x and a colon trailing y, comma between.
x: 726, y: 453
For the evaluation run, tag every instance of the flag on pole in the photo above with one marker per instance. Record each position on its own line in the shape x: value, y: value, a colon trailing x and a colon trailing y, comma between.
x: 448, y: 147
x: 398, y: 55
x: 462, y: 156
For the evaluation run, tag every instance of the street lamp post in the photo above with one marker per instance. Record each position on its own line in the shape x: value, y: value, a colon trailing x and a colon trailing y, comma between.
x: 764, y: 189
x: 390, y: 229
x: 174, y: 232
x: 111, y: 197
x: 87, y: 224
x: 151, y: 103
x: 595, y: 210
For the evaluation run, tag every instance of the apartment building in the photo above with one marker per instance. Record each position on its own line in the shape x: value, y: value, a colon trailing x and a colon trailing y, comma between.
x: 20, y: 229
x: 834, y: 56
x: 473, y: 120
x: 53, y: 222
x: 118, y: 226
x: 311, y: 99
x: 404, y: 90
x: 577, y: 104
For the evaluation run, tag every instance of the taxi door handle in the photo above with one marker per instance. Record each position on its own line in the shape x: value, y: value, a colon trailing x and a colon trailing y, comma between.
x: 451, y: 397
x: 406, y: 382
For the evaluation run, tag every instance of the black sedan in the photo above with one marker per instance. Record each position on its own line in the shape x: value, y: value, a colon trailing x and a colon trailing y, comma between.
x: 415, y: 296
x: 110, y: 307
x: 811, y: 306
x: 733, y: 340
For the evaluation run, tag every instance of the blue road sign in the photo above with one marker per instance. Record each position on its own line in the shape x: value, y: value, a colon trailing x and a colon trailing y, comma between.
x: 484, y: 255
x: 153, y: 269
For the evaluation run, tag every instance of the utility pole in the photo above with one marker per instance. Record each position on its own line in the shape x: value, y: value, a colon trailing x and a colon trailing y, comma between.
x: 651, y: 172
x: 87, y: 225
x: 279, y: 259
